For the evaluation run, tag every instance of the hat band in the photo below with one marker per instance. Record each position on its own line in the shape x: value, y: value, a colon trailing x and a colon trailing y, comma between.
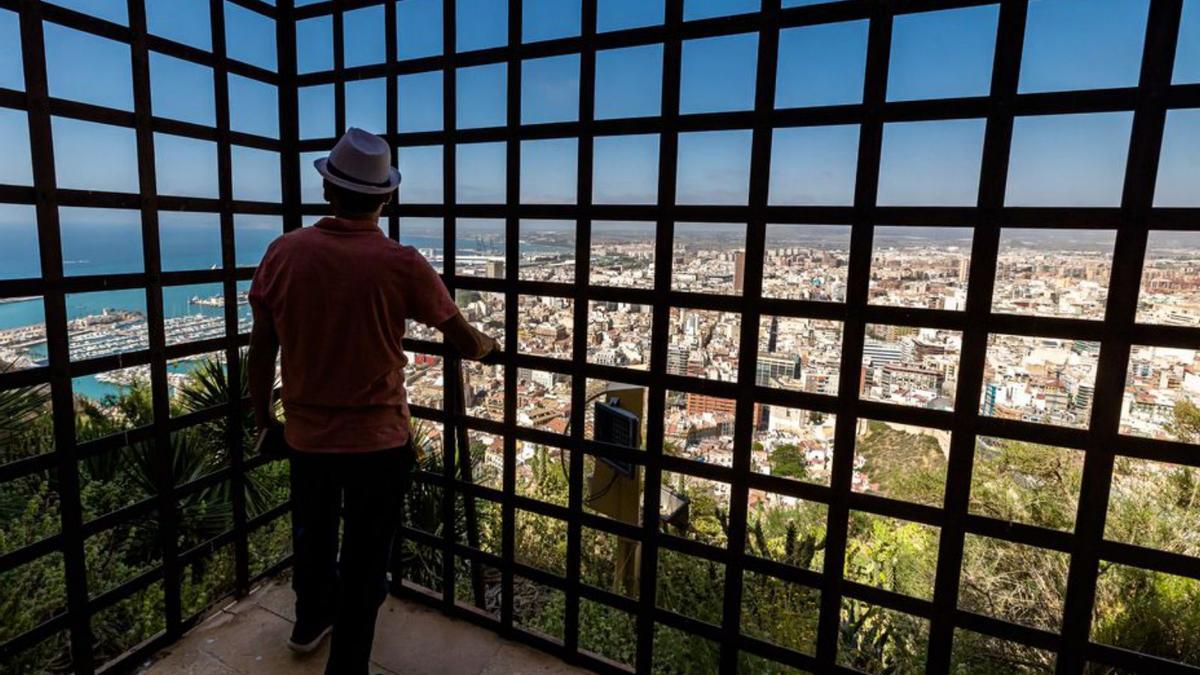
x: 345, y: 176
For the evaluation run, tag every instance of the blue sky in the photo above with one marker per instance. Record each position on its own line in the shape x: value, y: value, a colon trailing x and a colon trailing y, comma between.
x: 1056, y: 160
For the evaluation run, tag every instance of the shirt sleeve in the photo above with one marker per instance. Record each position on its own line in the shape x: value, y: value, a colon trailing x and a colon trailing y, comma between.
x: 263, y: 284
x: 428, y: 300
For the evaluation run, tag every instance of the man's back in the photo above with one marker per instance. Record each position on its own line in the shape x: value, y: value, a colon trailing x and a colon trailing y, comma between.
x: 334, y: 299
x: 339, y: 294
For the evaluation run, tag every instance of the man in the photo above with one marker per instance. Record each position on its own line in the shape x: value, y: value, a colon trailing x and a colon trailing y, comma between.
x: 335, y: 298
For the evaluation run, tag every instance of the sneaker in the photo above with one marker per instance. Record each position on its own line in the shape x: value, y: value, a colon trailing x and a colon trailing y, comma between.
x: 307, y: 637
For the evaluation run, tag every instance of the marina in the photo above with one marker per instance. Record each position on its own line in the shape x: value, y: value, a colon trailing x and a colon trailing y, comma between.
x: 119, y: 331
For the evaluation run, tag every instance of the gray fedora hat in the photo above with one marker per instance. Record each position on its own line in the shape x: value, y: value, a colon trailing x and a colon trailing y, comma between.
x: 360, y: 162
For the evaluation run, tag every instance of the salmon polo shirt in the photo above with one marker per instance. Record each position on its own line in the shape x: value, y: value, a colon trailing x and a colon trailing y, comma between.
x: 339, y: 294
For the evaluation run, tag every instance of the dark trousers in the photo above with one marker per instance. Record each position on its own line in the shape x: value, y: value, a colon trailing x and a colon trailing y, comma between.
x: 367, y: 490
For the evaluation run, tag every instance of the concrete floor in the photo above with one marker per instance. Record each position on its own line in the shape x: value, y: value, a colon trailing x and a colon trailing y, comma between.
x: 250, y: 636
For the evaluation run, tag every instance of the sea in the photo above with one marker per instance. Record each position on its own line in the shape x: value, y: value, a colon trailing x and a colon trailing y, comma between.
x: 115, y: 248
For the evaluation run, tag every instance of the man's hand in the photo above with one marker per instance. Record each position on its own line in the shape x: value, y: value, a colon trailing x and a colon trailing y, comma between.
x: 264, y: 347
x: 468, y: 340
x: 492, y: 350
x: 269, y: 441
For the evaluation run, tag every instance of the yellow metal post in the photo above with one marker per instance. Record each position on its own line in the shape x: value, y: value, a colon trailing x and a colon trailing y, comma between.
x: 619, y: 496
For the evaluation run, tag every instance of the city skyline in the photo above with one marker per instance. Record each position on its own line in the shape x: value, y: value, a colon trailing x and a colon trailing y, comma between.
x: 1067, y: 160
x: 1045, y: 282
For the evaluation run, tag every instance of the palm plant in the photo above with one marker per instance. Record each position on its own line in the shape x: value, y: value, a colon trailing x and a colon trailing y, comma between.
x: 194, y: 453
x: 18, y: 408
x: 25, y: 431
x: 208, y: 386
x: 204, y: 450
x: 24, y: 422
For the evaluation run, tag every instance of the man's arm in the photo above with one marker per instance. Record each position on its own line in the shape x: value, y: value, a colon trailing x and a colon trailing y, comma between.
x: 264, y: 347
x: 468, y: 340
